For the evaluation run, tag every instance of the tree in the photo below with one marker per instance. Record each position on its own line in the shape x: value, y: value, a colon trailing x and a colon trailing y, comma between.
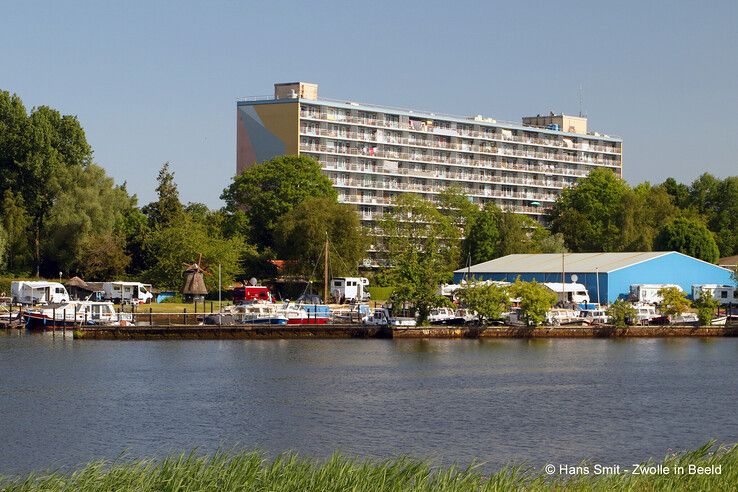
x: 168, y: 248
x: 89, y: 205
x: 678, y: 191
x: 483, y: 235
x: 422, y: 249
x: 487, y: 299
x: 301, y: 234
x: 687, y: 236
x: 102, y: 256
x: 36, y: 151
x: 15, y: 222
x: 167, y: 209
x: 621, y: 313
x: 673, y: 301
x: 535, y: 300
x: 3, y: 248
x: 587, y: 214
x: 707, y: 307
x: 270, y: 189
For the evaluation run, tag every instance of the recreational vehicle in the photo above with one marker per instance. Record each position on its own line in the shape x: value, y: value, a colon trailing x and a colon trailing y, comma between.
x: 37, y: 292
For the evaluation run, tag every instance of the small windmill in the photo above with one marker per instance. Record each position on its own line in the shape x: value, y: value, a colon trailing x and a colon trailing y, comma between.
x: 193, y: 285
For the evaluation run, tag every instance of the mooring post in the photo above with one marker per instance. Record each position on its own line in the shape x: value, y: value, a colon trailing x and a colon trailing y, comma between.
x: 151, y: 316
x: 64, y: 322
x: 185, y: 315
x: 211, y: 307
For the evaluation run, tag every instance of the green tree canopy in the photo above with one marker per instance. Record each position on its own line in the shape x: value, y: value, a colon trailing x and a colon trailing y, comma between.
x: 535, y: 300
x: 673, y: 301
x: 706, y: 306
x: 301, y: 234
x: 270, y: 189
x: 621, y: 313
x: 587, y: 214
x: 422, y: 249
x: 487, y: 299
x: 687, y: 236
x: 167, y: 209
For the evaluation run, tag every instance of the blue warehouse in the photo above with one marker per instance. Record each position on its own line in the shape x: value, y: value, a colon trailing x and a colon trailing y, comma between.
x: 607, y: 276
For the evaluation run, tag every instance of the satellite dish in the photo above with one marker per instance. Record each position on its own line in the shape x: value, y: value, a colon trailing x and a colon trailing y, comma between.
x: 253, y: 281
x: 574, y: 278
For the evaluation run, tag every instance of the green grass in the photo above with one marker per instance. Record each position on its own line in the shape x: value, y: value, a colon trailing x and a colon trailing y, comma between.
x: 253, y: 471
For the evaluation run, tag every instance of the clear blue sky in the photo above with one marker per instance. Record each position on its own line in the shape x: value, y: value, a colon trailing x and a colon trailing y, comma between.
x: 155, y: 81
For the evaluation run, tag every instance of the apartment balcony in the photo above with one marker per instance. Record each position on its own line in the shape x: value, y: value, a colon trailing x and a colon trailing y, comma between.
x: 378, y: 152
x: 448, y: 176
x: 496, y: 136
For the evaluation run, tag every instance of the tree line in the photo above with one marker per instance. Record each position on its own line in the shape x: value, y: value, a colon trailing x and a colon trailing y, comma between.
x: 60, y: 212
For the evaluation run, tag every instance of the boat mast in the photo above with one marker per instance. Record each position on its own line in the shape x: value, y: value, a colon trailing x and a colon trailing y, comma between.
x: 325, y: 271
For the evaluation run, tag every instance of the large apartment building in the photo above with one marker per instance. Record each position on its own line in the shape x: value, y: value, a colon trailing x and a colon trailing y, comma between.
x: 373, y: 153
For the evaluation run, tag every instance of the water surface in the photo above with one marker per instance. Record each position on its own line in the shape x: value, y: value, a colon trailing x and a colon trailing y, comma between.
x: 64, y: 402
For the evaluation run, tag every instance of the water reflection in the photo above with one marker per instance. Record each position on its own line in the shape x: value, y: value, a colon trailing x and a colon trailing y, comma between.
x: 66, y: 401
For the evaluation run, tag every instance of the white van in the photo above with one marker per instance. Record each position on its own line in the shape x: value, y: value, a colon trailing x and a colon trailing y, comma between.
x: 350, y: 289
x: 127, y: 293
x: 32, y: 292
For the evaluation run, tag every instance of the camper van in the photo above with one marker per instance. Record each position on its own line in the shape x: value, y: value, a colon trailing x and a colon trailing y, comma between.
x: 350, y: 289
x: 570, y: 292
x: 37, y: 292
x: 127, y: 293
x: 725, y: 294
x: 649, y: 293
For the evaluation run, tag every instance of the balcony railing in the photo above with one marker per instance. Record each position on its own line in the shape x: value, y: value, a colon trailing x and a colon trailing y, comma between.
x: 474, y: 134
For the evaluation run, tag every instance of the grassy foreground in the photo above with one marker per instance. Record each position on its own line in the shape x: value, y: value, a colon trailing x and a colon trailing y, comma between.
x: 252, y: 471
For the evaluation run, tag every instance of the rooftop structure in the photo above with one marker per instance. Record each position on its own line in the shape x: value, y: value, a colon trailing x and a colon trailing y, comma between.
x: 373, y: 153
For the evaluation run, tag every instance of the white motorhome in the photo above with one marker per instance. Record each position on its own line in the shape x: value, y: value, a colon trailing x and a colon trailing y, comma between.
x: 350, y: 289
x: 37, y: 292
x: 569, y: 292
x: 649, y: 293
x: 127, y: 292
x: 725, y: 294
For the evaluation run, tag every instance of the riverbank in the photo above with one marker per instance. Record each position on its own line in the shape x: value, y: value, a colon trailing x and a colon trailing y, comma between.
x: 707, y: 468
x: 155, y: 332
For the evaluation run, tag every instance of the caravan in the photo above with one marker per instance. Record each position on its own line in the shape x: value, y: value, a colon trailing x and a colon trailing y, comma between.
x: 127, y: 293
x: 37, y: 292
x: 350, y: 289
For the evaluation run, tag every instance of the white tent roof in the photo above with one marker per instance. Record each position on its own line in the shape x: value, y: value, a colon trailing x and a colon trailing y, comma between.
x: 573, y: 262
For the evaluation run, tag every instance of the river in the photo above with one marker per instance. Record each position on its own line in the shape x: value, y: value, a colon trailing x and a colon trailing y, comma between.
x: 64, y: 402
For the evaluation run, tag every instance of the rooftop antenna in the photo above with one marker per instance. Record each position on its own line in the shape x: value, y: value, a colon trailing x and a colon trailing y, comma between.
x: 581, y: 98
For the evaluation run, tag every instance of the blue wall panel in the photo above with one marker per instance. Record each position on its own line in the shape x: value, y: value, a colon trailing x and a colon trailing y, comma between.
x: 674, y: 268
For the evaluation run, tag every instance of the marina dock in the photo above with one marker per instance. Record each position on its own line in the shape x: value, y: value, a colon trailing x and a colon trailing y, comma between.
x: 367, y: 331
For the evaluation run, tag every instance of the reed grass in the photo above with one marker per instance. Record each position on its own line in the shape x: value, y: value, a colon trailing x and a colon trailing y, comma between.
x: 253, y: 471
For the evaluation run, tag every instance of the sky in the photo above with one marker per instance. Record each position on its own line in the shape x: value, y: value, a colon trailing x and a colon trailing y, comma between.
x: 156, y: 81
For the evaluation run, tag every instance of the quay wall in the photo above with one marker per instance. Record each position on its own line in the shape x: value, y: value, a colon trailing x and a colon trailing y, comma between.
x: 365, y: 331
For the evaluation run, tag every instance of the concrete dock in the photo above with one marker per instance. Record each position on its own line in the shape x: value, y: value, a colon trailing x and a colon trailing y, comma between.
x: 366, y: 331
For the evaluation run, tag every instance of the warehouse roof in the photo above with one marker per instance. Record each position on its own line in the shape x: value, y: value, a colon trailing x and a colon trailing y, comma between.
x: 573, y: 262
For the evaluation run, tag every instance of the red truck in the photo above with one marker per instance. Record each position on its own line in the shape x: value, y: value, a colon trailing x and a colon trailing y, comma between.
x: 251, y: 293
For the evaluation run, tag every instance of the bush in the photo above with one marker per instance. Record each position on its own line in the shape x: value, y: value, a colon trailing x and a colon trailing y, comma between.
x: 707, y: 307
x: 380, y: 293
x: 621, y: 313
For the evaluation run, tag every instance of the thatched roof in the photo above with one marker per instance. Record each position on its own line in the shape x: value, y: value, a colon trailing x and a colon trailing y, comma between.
x: 77, y: 282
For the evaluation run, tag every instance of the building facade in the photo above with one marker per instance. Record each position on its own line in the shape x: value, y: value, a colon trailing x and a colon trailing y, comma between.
x: 607, y: 276
x: 373, y: 153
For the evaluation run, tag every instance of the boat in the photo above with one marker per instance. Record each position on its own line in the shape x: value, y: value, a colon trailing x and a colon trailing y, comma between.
x: 594, y: 316
x: 305, y: 314
x: 355, y: 313
x: 445, y: 316
x: 467, y: 315
x: 381, y: 317
x: 75, y: 313
x: 559, y: 316
x: 253, y: 313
